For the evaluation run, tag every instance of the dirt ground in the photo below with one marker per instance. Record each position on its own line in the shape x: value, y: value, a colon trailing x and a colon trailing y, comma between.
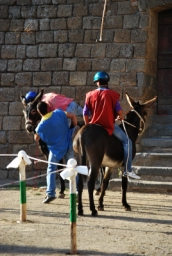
x: 146, y: 230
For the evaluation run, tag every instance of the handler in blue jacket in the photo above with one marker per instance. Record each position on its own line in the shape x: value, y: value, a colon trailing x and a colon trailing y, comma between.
x: 55, y: 132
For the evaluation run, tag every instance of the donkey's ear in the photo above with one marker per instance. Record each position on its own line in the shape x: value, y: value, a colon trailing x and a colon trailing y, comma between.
x: 149, y: 103
x: 39, y: 96
x: 23, y: 100
x: 131, y: 102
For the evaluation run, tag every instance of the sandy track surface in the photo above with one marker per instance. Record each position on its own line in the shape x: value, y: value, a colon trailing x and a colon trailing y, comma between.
x: 146, y: 230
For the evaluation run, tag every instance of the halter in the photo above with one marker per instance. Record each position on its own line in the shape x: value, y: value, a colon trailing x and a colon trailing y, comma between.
x: 141, y: 121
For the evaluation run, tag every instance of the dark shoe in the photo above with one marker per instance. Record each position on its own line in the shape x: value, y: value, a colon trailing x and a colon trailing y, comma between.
x: 48, y: 199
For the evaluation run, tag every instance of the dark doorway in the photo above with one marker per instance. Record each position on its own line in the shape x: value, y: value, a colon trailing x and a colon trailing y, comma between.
x: 164, y: 76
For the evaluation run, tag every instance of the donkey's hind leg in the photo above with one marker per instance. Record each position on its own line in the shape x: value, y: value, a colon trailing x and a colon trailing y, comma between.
x: 80, y: 186
x: 124, y: 193
x: 104, y: 186
x: 91, y: 185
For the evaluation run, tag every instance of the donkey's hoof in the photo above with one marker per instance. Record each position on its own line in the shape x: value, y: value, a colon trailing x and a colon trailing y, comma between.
x: 61, y: 195
x: 127, y: 207
x: 94, y: 213
x: 100, y: 208
x: 97, y: 193
x: 80, y: 212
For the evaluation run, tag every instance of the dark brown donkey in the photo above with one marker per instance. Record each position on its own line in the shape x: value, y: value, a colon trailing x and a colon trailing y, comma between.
x: 94, y: 143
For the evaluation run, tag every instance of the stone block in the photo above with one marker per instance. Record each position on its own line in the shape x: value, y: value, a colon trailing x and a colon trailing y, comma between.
x: 107, y: 36
x: 74, y: 23
x: 84, y: 64
x: 76, y: 36
x: 28, y: 12
x: 4, y: 108
x: 51, y: 64
x: 68, y: 91
x: 128, y: 79
x: 44, y: 37
x: 21, y: 52
x: 5, y: 24
x: 82, y: 90
x: 47, y: 50
x: 16, y: 109
x: 8, y: 52
x: 20, y: 137
x: 12, y: 38
x: 15, y: 65
x: 101, y: 64
x: 122, y: 36
x: 126, y: 51
x: 69, y: 64
x: 11, y: 123
x: 32, y: 51
x: 78, y: 78
x: 135, y: 64
x: 66, y: 50
x: 138, y: 36
x: 131, y: 21
x: 117, y: 65
x: 60, y: 36
x: 83, y: 50
x: 114, y: 79
x: 91, y: 36
x: 96, y: 9
x: 1, y: 37
x: 112, y: 22
x: 56, y: 24
x: 4, y: 11
x: 64, y: 10
x: 47, y: 11
x: 80, y: 9
x: 3, y: 65
x: 30, y: 25
x: 91, y: 22
x: 7, y: 79
x: 58, y: 1
x: 28, y: 37
x: 24, y: 2
x: 41, y: 78
x: 112, y: 50
x: 14, y: 12
x: 31, y: 65
x: 98, y: 50
x: 38, y: 2
x: 44, y: 24
x: 140, y: 50
x: 8, y: 94
x: 144, y: 21
x: 60, y: 78
x: 17, y: 25
x: 23, y: 79
x: 124, y: 8
x: 3, y: 137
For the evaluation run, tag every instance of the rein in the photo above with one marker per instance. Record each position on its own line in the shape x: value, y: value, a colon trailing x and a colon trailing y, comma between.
x: 141, y: 119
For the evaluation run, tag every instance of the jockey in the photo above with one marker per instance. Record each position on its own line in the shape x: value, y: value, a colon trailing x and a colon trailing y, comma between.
x: 56, y: 101
x: 103, y: 104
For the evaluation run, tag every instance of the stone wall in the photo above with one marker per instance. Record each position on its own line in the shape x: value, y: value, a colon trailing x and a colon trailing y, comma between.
x: 54, y: 44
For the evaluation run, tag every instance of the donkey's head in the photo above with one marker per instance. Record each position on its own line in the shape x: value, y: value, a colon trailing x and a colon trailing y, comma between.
x: 31, y: 115
x: 139, y: 111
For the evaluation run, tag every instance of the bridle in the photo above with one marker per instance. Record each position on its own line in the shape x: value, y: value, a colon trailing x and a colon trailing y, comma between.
x: 141, y: 129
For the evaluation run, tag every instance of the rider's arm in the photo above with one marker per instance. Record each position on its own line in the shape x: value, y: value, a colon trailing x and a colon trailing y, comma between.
x: 119, y: 111
x: 86, y: 114
x: 73, y: 119
x: 36, y: 137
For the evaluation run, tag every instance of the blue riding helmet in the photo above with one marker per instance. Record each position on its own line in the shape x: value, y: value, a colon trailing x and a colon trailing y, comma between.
x: 30, y: 96
x: 101, y: 75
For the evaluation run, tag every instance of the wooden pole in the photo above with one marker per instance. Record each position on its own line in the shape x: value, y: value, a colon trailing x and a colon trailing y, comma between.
x: 22, y: 175
x: 103, y: 15
x: 72, y: 184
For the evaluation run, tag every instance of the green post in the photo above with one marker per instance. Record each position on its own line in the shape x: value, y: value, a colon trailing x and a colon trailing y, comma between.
x: 72, y: 185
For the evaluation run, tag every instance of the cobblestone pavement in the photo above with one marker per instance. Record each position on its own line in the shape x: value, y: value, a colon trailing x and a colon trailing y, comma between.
x: 146, y: 230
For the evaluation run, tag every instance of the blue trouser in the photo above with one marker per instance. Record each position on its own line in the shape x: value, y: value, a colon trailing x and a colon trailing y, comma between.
x: 74, y: 109
x: 127, y: 145
x: 51, y: 178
